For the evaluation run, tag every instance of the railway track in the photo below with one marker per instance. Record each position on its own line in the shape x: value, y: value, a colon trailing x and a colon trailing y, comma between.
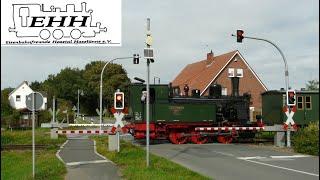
x: 24, y: 146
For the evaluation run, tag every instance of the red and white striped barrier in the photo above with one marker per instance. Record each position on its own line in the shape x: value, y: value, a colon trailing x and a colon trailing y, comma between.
x: 94, y: 125
x: 82, y: 132
x: 229, y: 128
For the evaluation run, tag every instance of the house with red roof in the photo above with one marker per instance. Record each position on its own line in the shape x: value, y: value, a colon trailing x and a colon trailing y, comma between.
x: 218, y: 69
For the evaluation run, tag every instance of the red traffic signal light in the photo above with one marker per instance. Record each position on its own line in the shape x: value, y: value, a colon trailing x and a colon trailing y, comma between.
x: 239, y: 35
x: 119, y: 100
x: 291, y: 98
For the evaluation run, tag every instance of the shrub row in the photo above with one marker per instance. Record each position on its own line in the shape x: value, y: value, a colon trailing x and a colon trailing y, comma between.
x: 306, y: 140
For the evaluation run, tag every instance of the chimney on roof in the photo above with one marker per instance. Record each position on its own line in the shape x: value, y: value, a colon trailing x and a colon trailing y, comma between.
x: 210, y: 56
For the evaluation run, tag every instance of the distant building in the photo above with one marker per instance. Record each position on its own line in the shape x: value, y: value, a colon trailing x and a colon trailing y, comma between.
x: 218, y: 69
x: 17, y: 97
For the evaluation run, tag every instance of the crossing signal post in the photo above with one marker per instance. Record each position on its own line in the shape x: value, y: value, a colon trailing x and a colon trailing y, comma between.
x: 119, y: 100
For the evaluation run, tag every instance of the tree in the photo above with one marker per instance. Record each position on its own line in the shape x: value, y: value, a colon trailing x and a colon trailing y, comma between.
x: 6, y: 109
x: 36, y: 86
x: 8, y: 114
x: 114, y: 77
x: 64, y: 85
x: 312, y: 85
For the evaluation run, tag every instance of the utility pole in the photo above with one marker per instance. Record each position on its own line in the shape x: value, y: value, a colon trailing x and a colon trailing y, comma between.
x: 33, y: 134
x: 148, y: 97
x: 78, y: 104
x: 54, y: 109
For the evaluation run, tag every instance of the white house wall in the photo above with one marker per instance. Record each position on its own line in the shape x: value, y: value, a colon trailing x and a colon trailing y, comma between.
x: 24, y: 90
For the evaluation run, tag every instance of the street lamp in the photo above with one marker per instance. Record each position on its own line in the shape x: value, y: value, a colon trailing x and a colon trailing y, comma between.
x: 240, y: 36
x: 282, y: 55
x: 100, y: 113
x: 80, y: 92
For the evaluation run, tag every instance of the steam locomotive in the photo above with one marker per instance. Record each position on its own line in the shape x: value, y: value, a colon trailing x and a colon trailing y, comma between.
x: 193, y: 118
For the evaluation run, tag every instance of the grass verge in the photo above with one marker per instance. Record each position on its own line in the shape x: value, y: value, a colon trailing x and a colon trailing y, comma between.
x: 17, y: 164
x: 42, y: 136
x: 132, y: 163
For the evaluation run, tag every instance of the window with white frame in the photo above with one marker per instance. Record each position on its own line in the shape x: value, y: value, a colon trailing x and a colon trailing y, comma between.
x: 308, y: 102
x: 299, y: 102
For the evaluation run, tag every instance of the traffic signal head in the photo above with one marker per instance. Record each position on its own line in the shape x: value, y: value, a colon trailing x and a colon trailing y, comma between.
x: 136, y: 58
x: 239, y: 35
x: 291, y: 98
x: 119, y: 100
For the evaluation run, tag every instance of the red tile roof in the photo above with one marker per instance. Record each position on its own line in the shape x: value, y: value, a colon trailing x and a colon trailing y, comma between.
x: 198, y: 75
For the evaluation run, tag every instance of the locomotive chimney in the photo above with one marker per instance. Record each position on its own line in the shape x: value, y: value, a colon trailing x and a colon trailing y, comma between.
x: 235, y: 86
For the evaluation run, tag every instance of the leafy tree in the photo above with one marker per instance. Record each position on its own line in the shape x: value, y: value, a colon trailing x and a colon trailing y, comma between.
x: 312, y: 85
x: 6, y: 109
x: 36, y: 86
x: 64, y: 85
x: 114, y: 77
x: 8, y: 114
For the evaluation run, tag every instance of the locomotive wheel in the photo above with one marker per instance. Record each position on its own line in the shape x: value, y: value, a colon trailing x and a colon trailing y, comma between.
x: 178, y: 138
x: 224, y: 139
x: 197, y: 138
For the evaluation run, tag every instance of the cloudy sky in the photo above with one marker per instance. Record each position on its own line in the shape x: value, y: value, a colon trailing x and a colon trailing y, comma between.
x: 183, y: 32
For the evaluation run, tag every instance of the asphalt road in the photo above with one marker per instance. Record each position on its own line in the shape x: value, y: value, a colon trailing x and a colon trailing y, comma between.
x: 83, y: 163
x: 235, y: 161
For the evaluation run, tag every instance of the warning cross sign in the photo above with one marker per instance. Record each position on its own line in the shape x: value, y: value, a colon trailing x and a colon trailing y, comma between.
x: 118, y: 114
x: 289, y: 117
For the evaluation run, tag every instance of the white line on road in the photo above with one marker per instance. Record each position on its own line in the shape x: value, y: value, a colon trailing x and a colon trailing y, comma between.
x: 254, y: 157
x: 57, y: 154
x: 225, y: 154
x: 274, y: 157
x: 95, y: 150
x: 86, y: 162
x: 294, y: 156
x: 294, y: 170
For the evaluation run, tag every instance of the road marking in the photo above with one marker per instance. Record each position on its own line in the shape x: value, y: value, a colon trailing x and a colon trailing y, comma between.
x: 95, y: 150
x: 294, y: 156
x: 294, y: 170
x: 86, y: 162
x: 274, y: 157
x: 57, y: 154
x: 225, y: 154
x: 254, y: 157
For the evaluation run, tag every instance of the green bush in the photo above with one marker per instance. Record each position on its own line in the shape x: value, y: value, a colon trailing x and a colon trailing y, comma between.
x: 306, y: 140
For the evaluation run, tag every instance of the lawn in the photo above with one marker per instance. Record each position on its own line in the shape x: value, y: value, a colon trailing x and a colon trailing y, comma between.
x: 42, y: 136
x: 132, y: 162
x: 17, y: 164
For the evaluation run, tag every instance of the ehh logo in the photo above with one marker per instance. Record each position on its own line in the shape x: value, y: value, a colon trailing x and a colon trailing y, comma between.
x: 31, y: 20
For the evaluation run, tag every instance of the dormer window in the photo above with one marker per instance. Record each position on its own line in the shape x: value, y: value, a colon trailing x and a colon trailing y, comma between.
x: 18, y: 98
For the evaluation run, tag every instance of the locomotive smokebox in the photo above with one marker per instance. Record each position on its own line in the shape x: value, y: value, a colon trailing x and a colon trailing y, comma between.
x: 235, y: 86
